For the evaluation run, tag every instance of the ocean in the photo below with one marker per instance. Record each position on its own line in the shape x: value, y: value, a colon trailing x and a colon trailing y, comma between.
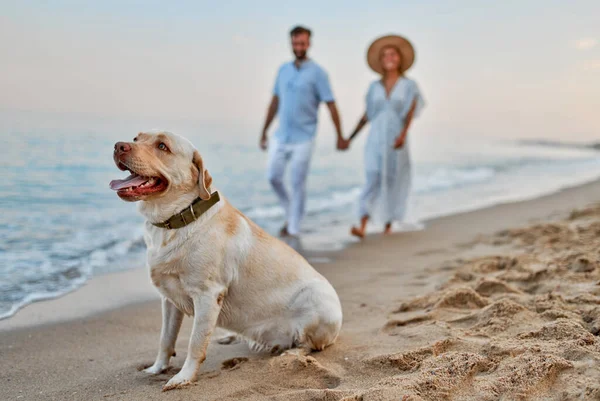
x: 60, y: 224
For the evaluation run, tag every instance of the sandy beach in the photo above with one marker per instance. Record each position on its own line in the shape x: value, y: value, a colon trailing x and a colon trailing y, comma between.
x: 500, y: 303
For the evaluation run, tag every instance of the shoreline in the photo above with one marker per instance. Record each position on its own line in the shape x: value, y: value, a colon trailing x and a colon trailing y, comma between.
x: 313, y: 248
x: 131, y: 287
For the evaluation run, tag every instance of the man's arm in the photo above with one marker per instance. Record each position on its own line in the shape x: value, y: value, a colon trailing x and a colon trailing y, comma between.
x: 342, y: 144
x: 326, y: 95
x: 335, y: 117
x: 271, y: 113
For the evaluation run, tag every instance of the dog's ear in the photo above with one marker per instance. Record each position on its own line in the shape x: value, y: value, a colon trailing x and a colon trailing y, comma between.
x: 204, y: 178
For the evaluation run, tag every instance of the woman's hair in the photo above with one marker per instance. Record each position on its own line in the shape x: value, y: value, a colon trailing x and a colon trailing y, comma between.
x: 397, y: 51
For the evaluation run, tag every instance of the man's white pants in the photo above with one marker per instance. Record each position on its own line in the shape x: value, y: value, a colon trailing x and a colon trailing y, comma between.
x: 298, y: 155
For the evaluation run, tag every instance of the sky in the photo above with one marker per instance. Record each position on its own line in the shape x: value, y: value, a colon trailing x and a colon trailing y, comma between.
x: 515, y: 69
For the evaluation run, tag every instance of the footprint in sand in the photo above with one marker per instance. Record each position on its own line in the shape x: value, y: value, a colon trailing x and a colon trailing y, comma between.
x: 233, y: 363
x: 411, y: 360
x: 501, y: 318
x: 315, y: 395
x: 437, y: 378
x: 562, y: 331
x: 298, y: 371
x: 528, y: 376
x: 462, y: 298
x: 488, y: 287
x: 458, y: 298
x: 419, y: 317
x: 290, y: 376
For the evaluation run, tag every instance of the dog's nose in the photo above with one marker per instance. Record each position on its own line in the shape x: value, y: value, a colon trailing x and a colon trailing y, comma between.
x: 122, y: 147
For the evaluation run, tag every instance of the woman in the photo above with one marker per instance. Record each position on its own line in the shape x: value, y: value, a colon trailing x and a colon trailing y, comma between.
x: 392, y: 102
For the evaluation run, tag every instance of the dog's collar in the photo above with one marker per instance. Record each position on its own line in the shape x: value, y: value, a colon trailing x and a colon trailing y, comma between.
x: 190, y: 214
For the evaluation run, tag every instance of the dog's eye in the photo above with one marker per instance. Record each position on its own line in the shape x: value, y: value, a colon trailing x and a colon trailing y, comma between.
x: 135, y: 139
x: 162, y: 146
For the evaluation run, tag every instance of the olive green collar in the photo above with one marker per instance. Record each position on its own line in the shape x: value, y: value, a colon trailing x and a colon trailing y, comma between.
x: 190, y: 213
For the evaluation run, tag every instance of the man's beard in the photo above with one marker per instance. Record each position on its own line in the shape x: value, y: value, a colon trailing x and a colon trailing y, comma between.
x: 300, y: 55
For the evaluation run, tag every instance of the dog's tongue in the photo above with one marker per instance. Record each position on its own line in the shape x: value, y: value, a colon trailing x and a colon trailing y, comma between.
x: 133, y: 180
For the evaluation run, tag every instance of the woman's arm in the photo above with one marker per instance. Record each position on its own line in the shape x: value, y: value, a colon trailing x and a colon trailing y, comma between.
x: 409, y: 116
x: 361, y: 123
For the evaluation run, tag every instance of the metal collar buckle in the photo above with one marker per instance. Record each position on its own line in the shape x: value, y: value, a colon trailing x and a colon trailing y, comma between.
x: 185, y: 223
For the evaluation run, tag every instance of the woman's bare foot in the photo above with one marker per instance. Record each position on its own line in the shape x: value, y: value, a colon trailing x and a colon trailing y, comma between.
x: 360, y: 232
x: 388, y: 229
x: 357, y: 232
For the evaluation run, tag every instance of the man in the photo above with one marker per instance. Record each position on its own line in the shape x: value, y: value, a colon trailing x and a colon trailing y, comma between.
x: 300, y: 87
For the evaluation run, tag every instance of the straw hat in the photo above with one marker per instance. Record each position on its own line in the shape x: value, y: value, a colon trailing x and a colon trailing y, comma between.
x: 407, y: 52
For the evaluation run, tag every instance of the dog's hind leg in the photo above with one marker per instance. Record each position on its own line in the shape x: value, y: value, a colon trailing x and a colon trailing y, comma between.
x: 229, y: 339
x: 318, y: 337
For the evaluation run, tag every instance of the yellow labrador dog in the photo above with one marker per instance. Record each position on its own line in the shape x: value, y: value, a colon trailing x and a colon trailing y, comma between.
x: 211, y: 262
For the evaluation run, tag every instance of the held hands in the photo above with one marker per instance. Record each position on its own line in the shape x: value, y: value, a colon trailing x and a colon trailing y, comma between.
x: 342, y: 144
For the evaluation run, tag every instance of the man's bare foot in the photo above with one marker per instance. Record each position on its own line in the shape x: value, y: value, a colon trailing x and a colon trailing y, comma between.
x: 357, y: 232
x: 387, y: 230
x: 284, y: 231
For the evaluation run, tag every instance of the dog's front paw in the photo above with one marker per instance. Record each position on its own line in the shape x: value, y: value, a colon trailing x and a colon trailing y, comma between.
x: 156, y: 369
x: 177, y: 381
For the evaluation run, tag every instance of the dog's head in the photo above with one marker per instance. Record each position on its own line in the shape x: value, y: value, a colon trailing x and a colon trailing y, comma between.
x: 161, y: 165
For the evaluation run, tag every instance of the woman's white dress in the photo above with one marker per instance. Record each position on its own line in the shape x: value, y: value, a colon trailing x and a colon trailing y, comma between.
x: 388, y: 171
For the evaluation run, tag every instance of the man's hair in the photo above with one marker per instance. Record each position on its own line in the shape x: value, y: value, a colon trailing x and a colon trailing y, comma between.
x: 298, y: 30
